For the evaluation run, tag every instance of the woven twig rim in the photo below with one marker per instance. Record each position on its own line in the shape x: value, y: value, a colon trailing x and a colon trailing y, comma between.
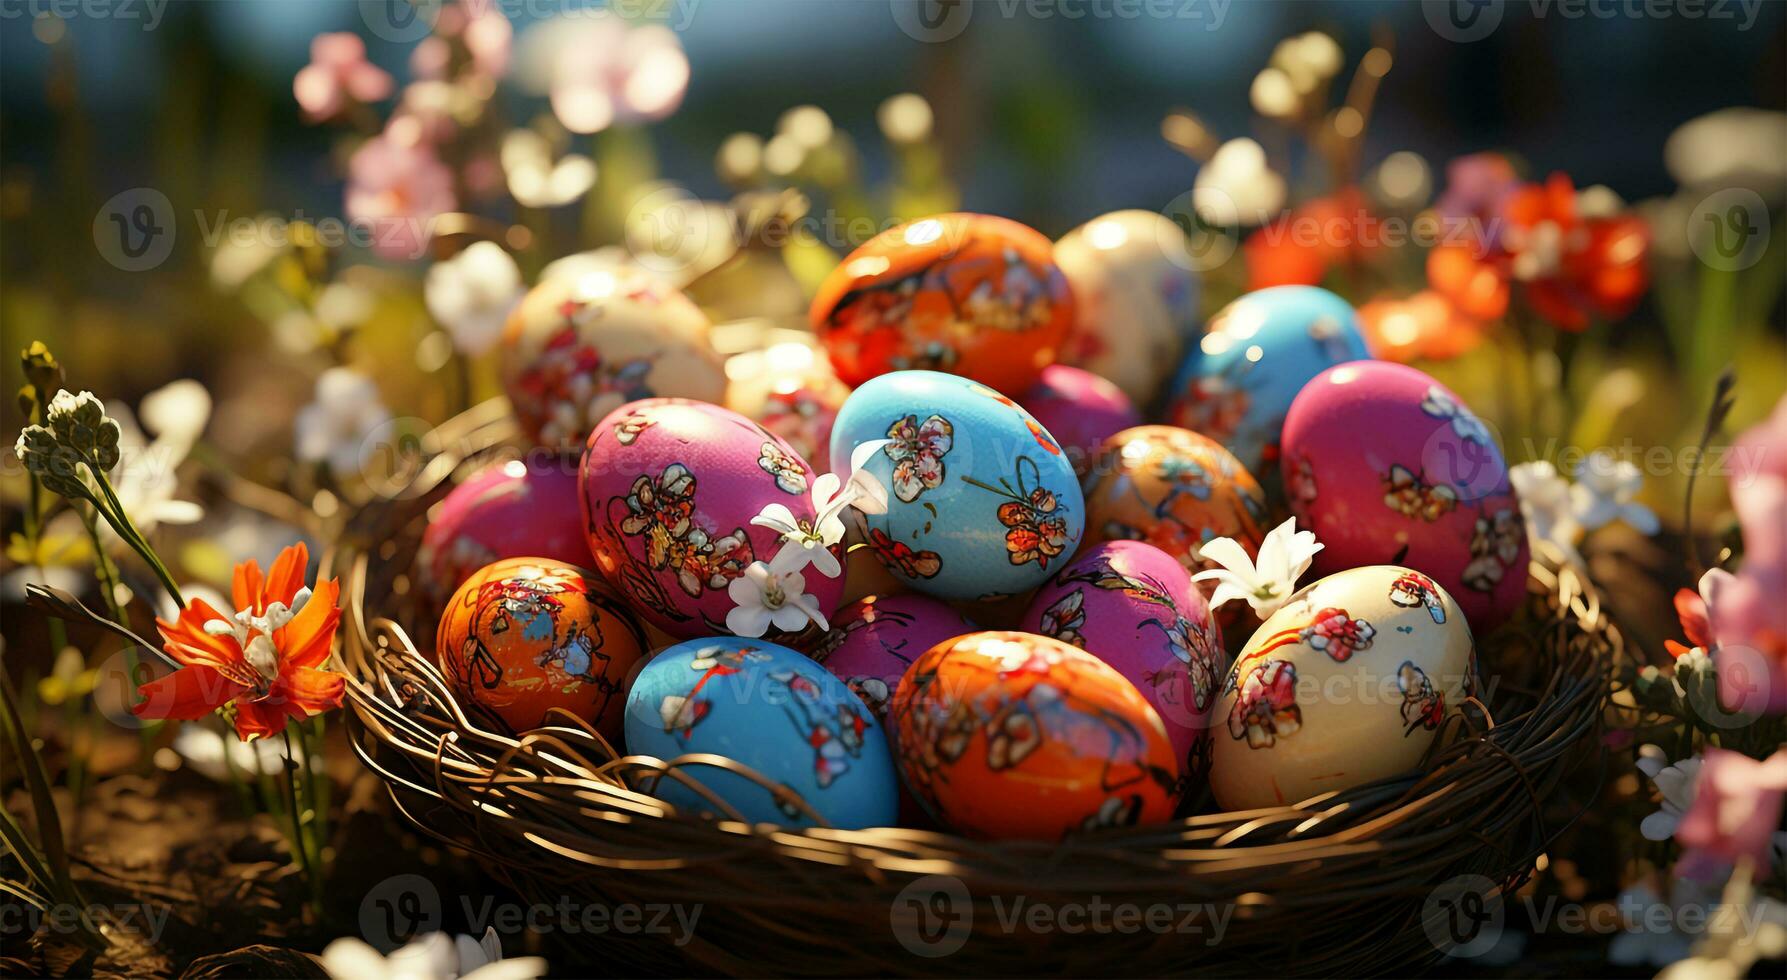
x: 1333, y: 885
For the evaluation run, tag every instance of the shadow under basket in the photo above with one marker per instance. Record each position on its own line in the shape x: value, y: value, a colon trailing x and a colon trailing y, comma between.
x: 1347, y: 883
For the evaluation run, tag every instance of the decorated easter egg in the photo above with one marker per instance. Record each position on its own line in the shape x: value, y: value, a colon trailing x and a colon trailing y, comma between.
x: 1134, y: 607
x: 1349, y: 681
x: 1238, y: 380
x: 522, y: 636
x: 971, y: 294
x: 1135, y: 298
x: 1176, y: 490
x: 790, y: 389
x: 1080, y: 409
x: 669, y: 489
x: 510, y: 509
x: 578, y: 347
x: 773, y: 710
x: 874, y: 639
x: 1014, y: 735
x: 1385, y: 464
x: 982, y: 502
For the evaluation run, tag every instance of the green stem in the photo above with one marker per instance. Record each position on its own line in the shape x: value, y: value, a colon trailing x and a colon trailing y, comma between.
x: 120, y: 521
x: 300, y: 838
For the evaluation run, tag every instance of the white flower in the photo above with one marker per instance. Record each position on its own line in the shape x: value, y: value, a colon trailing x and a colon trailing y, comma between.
x: 773, y: 594
x: 1237, y: 187
x: 870, y: 494
x: 147, y: 475
x: 432, y: 957
x: 472, y: 293
x: 535, y: 179
x: 1545, y: 504
x: 812, y: 541
x: 1604, y: 492
x: 1266, y: 582
x: 1676, y: 785
x: 335, y: 428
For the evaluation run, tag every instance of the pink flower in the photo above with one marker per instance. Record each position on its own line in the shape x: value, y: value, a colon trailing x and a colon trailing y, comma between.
x: 1735, y: 813
x: 1748, y: 619
x: 338, y: 74
x: 604, y: 71
x: 396, y: 188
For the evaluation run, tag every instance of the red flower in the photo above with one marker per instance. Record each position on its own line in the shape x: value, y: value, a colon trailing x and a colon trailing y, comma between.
x: 1300, y: 248
x: 1424, y: 326
x: 266, y: 658
x: 1691, y: 610
x: 1571, y: 266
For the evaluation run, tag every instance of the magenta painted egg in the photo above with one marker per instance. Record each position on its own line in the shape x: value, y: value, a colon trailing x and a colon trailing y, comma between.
x: 1135, y: 607
x: 1080, y: 409
x: 874, y: 639
x: 1388, y: 467
x: 510, y: 509
x: 669, y: 489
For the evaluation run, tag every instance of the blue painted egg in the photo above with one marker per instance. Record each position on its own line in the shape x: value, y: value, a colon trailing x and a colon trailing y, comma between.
x: 771, y: 709
x: 1239, y: 379
x: 982, y: 502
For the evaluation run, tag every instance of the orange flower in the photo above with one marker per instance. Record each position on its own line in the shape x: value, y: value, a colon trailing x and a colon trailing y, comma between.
x: 1425, y: 326
x: 266, y: 658
x: 1299, y: 248
x: 1571, y: 266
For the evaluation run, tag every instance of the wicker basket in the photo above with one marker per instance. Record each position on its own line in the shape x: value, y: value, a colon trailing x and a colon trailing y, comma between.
x: 1342, y: 884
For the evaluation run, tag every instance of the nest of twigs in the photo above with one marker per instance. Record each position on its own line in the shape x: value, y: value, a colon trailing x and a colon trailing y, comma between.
x: 1342, y: 884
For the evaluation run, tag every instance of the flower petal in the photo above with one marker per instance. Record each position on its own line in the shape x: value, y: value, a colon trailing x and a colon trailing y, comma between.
x: 187, y: 693
x: 303, y: 692
x: 286, y: 578
x: 1228, y: 553
x: 307, y: 640
x: 748, y: 620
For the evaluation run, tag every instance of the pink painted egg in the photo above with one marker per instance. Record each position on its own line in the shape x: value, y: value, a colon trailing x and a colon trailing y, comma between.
x: 1135, y: 607
x: 1387, y: 466
x: 669, y: 489
x: 1080, y: 409
x: 874, y: 639
x: 596, y: 336
x: 510, y: 509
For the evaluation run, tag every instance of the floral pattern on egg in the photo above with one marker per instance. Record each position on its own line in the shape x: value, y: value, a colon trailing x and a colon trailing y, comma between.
x: 669, y: 489
x: 1348, y: 682
x: 578, y: 347
x: 1385, y: 464
x: 971, y: 294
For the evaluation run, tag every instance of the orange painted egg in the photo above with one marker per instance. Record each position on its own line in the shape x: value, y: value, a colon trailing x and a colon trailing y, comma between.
x: 1014, y: 735
x: 525, y: 635
x: 970, y: 294
x: 581, y: 345
x: 1348, y: 682
x: 1176, y: 490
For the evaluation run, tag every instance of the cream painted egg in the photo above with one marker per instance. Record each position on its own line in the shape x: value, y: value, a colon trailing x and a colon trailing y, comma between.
x: 1136, y: 298
x: 1348, y: 682
x: 594, y: 336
